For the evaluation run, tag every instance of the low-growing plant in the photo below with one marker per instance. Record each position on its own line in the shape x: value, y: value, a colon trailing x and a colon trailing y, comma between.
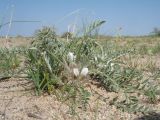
x: 67, y: 35
x: 143, y: 49
x: 151, y: 65
x: 156, y: 49
x: 61, y: 68
x: 9, y: 61
x: 44, y: 34
x: 151, y: 94
x: 130, y: 104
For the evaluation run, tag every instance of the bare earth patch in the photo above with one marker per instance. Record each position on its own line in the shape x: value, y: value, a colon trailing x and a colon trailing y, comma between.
x: 18, y: 102
x: 14, y: 42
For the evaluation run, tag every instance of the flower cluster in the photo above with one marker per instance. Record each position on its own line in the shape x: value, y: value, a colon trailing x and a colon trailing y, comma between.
x: 71, y: 57
x: 83, y: 72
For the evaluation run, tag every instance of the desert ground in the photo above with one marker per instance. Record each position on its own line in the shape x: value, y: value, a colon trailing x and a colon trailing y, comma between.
x: 18, y: 100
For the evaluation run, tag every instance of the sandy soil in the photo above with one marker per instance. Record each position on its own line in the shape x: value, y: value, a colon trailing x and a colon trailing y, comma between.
x: 15, y: 42
x: 19, y: 102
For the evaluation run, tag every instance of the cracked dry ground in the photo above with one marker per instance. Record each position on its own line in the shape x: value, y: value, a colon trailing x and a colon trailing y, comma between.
x: 18, y: 102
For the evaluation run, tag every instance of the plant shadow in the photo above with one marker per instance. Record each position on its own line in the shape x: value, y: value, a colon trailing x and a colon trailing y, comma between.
x: 150, y: 116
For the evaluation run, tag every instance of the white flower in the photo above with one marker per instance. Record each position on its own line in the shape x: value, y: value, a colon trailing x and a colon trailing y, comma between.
x: 84, y: 71
x: 102, y: 65
x: 112, y: 66
x: 47, y: 61
x: 76, y: 72
x: 71, y: 57
x: 95, y: 58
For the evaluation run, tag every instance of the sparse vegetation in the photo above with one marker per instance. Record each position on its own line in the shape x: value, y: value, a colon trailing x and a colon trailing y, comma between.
x: 64, y: 69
